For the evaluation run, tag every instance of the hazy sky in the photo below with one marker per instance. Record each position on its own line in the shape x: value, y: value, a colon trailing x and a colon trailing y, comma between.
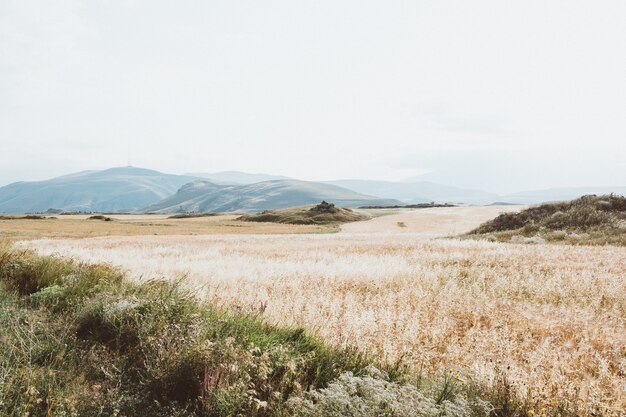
x: 498, y: 95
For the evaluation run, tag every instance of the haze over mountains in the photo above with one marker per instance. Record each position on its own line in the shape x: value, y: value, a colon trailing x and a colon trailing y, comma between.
x: 418, y: 192
x: 115, y: 189
x: 266, y: 195
x: 237, y: 177
x: 130, y: 189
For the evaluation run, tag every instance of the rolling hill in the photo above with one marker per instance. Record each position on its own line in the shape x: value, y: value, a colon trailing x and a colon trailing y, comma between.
x: 110, y: 190
x: 204, y: 196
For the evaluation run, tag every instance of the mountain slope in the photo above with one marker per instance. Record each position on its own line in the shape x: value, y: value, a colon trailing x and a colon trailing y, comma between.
x: 237, y: 177
x: 207, y: 196
x: 417, y: 192
x: 115, y: 189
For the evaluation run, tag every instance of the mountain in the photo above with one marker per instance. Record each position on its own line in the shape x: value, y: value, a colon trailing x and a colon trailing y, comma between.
x: 110, y: 190
x: 559, y: 194
x: 424, y: 192
x: 133, y: 189
x: 417, y: 192
x: 207, y: 196
x: 237, y: 177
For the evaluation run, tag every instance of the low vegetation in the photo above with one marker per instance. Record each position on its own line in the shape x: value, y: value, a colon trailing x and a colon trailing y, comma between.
x: 100, y: 217
x: 321, y: 214
x: 25, y: 217
x: 540, y: 323
x: 191, y: 215
x: 80, y: 340
x: 418, y: 206
x: 588, y: 220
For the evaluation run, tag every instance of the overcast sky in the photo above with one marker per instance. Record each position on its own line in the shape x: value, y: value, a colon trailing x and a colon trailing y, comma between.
x: 498, y: 95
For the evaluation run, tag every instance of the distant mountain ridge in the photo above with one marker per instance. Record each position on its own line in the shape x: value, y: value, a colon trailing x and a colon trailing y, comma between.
x: 417, y: 192
x: 205, y: 196
x: 560, y: 194
x: 237, y: 177
x: 109, y: 190
x: 424, y: 192
x: 137, y: 189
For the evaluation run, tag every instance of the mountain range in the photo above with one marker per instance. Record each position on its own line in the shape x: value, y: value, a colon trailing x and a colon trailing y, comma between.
x: 237, y: 177
x: 208, y: 196
x: 110, y: 190
x: 418, y: 192
x: 131, y: 189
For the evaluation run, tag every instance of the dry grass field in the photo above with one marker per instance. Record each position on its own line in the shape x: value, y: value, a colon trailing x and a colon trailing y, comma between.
x: 548, y: 320
x: 79, y: 226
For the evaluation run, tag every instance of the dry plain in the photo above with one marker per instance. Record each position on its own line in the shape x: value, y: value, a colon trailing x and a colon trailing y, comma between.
x: 548, y: 319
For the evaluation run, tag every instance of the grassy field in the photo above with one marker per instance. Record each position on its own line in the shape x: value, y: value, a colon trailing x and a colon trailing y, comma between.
x: 542, y: 322
x: 80, y: 226
x: 81, y: 340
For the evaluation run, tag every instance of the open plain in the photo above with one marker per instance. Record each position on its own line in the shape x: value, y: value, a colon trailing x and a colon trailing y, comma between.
x: 548, y: 321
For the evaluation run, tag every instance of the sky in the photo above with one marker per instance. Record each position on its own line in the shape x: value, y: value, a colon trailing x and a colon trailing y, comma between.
x: 500, y: 96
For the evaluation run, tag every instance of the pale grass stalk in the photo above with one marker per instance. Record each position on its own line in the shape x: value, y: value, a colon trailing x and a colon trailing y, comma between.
x: 551, y: 318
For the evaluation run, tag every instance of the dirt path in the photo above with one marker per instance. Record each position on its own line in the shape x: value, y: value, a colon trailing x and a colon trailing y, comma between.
x: 431, y: 222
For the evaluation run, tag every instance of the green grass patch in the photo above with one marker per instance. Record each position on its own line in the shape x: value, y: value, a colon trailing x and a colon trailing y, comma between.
x: 192, y: 215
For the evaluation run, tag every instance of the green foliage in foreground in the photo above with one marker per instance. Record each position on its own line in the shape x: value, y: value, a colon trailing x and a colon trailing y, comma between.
x: 588, y: 220
x: 80, y: 340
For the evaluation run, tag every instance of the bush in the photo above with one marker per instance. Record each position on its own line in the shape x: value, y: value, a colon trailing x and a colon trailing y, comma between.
x: 374, y: 395
x: 599, y: 218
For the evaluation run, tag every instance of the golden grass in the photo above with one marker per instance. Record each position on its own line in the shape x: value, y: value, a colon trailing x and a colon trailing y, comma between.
x: 548, y: 318
x: 551, y: 319
x: 79, y: 226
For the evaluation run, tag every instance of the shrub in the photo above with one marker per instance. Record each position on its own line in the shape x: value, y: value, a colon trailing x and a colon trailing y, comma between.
x: 600, y: 218
x: 374, y: 395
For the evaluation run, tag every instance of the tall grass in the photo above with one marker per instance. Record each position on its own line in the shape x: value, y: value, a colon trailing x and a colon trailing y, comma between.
x: 80, y: 340
x: 542, y: 323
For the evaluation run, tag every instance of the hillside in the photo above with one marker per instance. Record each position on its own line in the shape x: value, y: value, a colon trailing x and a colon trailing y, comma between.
x: 205, y: 196
x: 110, y: 190
x: 321, y: 214
x: 589, y: 219
x: 236, y: 177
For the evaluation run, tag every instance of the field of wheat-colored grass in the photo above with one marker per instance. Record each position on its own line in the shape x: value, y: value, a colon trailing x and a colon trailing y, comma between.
x: 551, y: 319
x: 80, y: 226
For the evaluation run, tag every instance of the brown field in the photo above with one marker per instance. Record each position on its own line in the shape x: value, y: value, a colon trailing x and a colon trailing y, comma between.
x: 549, y: 319
x: 79, y: 226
